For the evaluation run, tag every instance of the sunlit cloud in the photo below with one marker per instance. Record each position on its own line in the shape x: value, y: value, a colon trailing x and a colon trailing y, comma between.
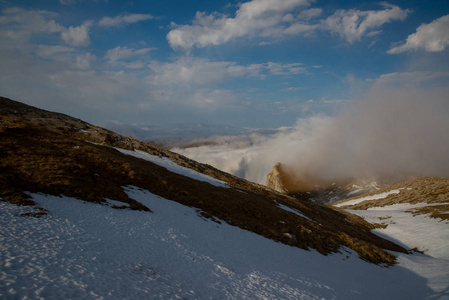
x: 352, y: 24
x: 269, y: 19
x: 432, y: 37
x: 266, y: 18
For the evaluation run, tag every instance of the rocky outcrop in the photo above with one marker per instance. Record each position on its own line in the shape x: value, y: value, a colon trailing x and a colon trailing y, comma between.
x: 274, y: 179
x: 285, y: 180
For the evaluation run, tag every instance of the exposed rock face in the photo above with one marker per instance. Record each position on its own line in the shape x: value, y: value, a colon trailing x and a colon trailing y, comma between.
x: 284, y: 180
x: 274, y: 179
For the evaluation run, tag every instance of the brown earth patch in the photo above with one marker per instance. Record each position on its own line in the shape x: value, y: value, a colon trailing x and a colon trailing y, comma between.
x: 435, y: 211
x: 430, y: 190
x: 417, y: 190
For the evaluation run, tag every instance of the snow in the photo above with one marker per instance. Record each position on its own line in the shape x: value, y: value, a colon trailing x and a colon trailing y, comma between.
x: 112, y: 203
x: 367, y: 198
x: 89, y: 251
x: 173, y: 167
x: 421, y: 231
x: 296, y: 212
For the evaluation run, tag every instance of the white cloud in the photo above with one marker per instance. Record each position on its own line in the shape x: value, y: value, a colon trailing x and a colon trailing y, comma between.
x: 311, y: 13
x: 293, y: 89
x: 432, y: 37
x: 413, y: 79
x: 285, y: 69
x: 67, y: 56
x: 124, y: 20
x: 277, y: 19
x: 212, y: 99
x: 265, y: 18
x: 128, y: 58
x: 17, y: 25
x: 77, y: 36
x: 123, y: 53
x: 29, y: 20
x: 83, y: 60
x: 353, y: 24
x: 50, y: 51
x: 196, y: 71
x: 203, y: 71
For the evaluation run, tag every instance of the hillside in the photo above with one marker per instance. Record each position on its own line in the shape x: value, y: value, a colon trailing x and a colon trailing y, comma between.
x: 51, y: 153
x: 85, y: 208
x: 431, y: 193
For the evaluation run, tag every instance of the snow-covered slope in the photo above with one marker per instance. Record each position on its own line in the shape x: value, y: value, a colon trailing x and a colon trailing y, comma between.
x: 89, y: 251
x: 413, y: 214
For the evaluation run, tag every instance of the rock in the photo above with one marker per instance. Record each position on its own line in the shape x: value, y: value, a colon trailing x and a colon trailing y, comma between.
x: 284, y: 180
x: 274, y: 179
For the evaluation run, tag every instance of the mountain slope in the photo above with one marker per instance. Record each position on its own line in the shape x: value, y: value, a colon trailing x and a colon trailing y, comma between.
x: 50, y: 153
x: 106, y: 216
x: 82, y: 250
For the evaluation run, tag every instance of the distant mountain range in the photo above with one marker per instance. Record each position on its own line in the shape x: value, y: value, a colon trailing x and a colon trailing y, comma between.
x: 185, y: 135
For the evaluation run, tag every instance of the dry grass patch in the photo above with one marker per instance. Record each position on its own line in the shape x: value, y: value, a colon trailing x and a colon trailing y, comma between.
x: 429, y: 190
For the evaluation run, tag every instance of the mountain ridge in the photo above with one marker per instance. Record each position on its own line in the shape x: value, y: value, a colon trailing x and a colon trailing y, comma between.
x: 51, y: 153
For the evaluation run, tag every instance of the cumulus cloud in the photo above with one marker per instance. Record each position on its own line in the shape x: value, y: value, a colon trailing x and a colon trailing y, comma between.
x: 353, y: 24
x: 268, y: 18
x: 275, y: 19
x: 17, y: 25
x: 77, y: 36
x: 83, y: 60
x: 128, y: 57
x: 203, y: 71
x: 432, y: 37
x: 124, y: 20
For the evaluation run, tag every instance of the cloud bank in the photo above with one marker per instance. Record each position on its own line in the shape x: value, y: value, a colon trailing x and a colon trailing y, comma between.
x: 393, y: 133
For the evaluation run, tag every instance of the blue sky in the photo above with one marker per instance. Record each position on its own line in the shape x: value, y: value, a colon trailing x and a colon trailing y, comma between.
x: 260, y: 63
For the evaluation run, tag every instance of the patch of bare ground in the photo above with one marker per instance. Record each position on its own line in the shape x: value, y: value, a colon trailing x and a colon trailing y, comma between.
x: 433, y: 191
x: 50, y: 153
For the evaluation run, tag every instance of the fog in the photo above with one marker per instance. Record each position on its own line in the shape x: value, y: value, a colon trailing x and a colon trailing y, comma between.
x: 390, y: 133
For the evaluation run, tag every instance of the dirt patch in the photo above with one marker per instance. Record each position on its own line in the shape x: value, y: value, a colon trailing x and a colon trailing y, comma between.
x: 435, y: 211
